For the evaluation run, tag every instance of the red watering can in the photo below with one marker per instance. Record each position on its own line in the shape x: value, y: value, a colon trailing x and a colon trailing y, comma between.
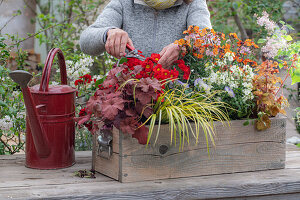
x: 50, y: 128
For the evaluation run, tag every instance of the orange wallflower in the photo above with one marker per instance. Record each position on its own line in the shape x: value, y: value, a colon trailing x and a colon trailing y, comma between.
x: 227, y: 48
x: 198, y: 43
x: 234, y: 35
x: 216, y: 50
x: 203, y: 32
x: 248, y: 42
x: 198, y: 55
x: 180, y: 42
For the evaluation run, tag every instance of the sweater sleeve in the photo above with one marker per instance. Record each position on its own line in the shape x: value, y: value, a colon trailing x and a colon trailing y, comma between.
x: 199, y: 14
x: 92, y: 39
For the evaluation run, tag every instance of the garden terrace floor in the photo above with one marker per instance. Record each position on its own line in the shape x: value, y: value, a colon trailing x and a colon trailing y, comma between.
x: 19, y: 182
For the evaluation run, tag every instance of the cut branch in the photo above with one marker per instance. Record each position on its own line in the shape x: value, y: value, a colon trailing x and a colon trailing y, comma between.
x: 239, y: 24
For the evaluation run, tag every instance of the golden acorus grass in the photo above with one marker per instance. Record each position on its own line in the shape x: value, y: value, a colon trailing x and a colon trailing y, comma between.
x: 183, y: 111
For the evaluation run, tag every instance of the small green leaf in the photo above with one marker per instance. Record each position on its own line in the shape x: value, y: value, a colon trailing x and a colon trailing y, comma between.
x: 282, y: 22
x: 288, y: 38
x: 296, y: 76
x: 280, y: 65
x: 3, y: 104
x: 290, y: 27
x: 2, y: 91
x: 123, y: 60
x: 100, y: 81
x: 260, y: 41
x: 246, y: 123
x: 298, y: 145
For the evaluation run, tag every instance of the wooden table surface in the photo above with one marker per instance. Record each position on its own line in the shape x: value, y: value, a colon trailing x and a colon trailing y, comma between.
x: 19, y: 182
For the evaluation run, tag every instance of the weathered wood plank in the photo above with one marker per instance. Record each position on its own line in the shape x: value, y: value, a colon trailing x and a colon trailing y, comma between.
x: 237, y: 133
x: 109, y: 167
x: 223, y: 159
x: 238, y: 149
x: 239, y: 185
x: 295, y: 196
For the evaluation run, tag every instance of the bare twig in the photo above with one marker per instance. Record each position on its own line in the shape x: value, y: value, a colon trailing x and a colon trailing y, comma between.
x: 6, y: 145
x: 30, y: 36
x: 8, y: 21
x: 239, y: 23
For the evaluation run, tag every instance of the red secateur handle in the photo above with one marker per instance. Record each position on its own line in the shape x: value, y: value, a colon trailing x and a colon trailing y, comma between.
x: 130, y: 48
x: 44, y: 87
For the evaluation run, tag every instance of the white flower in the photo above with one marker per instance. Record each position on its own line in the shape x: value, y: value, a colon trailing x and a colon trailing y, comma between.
x: 6, y: 123
x: 15, y: 94
x: 80, y: 68
x: 229, y: 56
x: 97, y: 77
x: 54, y: 83
x: 247, y: 85
x: 21, y: 115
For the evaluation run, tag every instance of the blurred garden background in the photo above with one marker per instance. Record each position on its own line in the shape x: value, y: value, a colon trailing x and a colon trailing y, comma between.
x: 30, y: 28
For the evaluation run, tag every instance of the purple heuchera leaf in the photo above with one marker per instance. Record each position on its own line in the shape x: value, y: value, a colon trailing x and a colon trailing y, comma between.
x: 111, y: 78
x: 129, y: 125
x: 147, y: 83
x: 145, y: 97
x: 140, y: 108
x: 94, y: 105
x: 141, y: 135
x: 102, y: 93
x: 111, y: 107
x: 131, y: 112
x: 83, y: 119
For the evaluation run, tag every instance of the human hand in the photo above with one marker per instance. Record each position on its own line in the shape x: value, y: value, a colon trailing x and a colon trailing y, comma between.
x: 169, y: 55
x: 116, y: 42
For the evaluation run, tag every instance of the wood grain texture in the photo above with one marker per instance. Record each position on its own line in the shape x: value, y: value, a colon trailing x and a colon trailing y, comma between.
x: 294, y: 196
x: 24, y: 183
x: 237, y: 133
x: 223, y: 159
x: 238, y: 148
x: 109, y: 167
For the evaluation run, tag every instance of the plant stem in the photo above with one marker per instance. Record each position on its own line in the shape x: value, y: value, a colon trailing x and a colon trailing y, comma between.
x: 284, y: 80
x: 8, y: 148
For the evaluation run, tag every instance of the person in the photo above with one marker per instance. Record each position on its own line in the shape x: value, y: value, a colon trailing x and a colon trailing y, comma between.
x: 150, y: 26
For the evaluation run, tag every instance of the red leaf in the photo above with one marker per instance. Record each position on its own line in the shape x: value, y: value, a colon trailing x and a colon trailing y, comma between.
x: 147, y: 112
x: 111, y: 107
x: 141, y: 134
x: 129, y: 125
x: 94, y: 105
x: 146, y: 83
x: 83, y: 119
x: 111, y: 78
x: 146, y: 97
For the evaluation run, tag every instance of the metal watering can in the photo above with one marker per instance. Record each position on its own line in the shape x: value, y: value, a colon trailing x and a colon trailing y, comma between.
x: 50, y: 127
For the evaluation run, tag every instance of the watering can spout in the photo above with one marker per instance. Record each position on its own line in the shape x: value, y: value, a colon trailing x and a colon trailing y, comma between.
x: 39, y: 135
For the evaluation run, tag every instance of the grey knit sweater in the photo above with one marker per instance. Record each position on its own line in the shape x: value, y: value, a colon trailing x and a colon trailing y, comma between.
x: 150, y: 30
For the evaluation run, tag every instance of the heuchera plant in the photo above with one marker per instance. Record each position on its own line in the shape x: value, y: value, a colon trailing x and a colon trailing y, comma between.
x: 126, y: 97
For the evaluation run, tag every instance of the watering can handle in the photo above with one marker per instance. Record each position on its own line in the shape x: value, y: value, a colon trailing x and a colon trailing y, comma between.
x: 47, y: 69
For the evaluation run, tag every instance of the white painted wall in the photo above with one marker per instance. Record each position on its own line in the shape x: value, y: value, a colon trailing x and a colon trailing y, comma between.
x: 20, y: 25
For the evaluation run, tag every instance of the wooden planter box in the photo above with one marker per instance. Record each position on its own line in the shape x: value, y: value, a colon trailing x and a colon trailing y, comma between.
x: 238, y: 148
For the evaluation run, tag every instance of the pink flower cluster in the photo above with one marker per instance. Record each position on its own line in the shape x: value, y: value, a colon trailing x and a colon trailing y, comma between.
x: 272, y: 46
x: 265, y: 21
